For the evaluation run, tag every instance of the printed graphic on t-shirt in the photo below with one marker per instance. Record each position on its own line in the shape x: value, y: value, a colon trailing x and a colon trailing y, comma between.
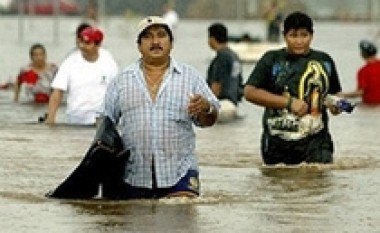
x: 312, y: 88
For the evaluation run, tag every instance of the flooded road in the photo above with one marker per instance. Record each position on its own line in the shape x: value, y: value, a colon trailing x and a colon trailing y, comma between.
x: 239, y: 194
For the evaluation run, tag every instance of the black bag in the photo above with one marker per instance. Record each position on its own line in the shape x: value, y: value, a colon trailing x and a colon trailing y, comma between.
x: 103, y: 164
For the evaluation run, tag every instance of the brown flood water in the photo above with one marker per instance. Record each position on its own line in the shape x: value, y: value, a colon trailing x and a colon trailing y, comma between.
x: 239, y: 194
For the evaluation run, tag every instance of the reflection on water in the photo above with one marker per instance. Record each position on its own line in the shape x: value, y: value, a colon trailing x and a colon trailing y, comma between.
x: 239, y: 194
x: 143, y: 216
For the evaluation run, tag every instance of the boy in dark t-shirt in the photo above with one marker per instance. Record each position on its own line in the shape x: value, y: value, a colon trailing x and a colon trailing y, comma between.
x: 224, y: 75
x: 292, y: 84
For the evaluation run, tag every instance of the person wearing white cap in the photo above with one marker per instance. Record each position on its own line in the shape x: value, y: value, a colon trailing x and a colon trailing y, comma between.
x: 155, y: 103
x: 84, y: 75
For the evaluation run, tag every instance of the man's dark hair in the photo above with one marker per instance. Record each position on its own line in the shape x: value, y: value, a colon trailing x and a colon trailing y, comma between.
x: 367, y: 48
x: 80, y: 28
x: 36, y: 46
x: 219, y: 32
x: 298, y: 20
x: 167, y: 29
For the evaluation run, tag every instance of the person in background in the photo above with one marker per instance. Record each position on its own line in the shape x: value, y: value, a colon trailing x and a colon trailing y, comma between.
x: 84, y: 75
x: 155, y: 103
x: 82, y: 26
x: 273, y: 17
x: 368, y: 76
x: 292, y: 84
x: 36, y: 76
x: 224, y: 75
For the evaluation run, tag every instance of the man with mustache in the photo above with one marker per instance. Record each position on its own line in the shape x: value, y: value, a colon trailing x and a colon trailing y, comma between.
x: 155, y: 103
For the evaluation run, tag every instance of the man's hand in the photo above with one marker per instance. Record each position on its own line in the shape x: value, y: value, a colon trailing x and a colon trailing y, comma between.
x: 201, y: 109
x: 197, y: 105
x: 299, y: 107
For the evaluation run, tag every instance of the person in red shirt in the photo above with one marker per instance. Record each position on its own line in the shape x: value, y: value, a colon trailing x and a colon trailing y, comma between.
x: 368, y: 77
x: 36, y: 76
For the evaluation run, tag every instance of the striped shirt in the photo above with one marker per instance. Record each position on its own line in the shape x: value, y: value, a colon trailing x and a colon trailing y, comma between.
x: 159, y: 132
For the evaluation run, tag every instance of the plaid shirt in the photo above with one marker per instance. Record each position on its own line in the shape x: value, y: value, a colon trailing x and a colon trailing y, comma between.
x: 156, y: 132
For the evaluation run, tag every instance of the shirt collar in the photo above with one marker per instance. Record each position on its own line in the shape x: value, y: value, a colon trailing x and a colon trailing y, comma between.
x: 173, y: 66
x: 296, y: 56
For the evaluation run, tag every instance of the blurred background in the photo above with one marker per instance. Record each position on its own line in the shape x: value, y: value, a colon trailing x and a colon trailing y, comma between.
x: 53, y: 23
x: 236, y: 9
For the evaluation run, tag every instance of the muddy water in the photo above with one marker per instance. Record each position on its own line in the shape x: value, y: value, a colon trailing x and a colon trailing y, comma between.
x: 238, y: 193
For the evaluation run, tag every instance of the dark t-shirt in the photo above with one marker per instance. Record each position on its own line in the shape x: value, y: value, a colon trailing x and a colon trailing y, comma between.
x: 279, y: 72
x: 226, y: 69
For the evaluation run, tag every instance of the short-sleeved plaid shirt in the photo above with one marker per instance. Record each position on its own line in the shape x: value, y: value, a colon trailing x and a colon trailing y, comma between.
x: 156, y: 132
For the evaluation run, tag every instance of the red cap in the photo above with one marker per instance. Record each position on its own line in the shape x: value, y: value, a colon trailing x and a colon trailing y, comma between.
x: 92, y: 34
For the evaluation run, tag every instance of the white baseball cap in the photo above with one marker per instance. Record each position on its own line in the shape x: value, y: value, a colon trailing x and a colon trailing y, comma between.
x: 150, y: 21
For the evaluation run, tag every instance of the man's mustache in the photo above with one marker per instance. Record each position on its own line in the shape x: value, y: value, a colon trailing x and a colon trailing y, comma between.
x: 155, y: 47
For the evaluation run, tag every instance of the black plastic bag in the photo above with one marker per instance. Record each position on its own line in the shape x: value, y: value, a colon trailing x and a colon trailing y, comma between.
x: 102, y: 166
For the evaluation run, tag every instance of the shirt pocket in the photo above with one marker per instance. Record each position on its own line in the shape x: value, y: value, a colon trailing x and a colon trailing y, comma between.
x: 176, y: 111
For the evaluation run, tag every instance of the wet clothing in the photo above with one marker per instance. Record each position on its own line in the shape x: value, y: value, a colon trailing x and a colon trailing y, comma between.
x: 188, y: 183
x: 159, y: 133
x: 287, y: 138
x: 226, y: 69
x: 37, y: 84
x: 316, y: 148
x: 102, y: 166
x: 368, y: 80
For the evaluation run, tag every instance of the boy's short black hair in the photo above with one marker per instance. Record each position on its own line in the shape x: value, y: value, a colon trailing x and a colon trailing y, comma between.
x: 367, y: 48
x: 36, y: 46
x: 219, y: 32
x: 80, y: 28
x: 298, y: 20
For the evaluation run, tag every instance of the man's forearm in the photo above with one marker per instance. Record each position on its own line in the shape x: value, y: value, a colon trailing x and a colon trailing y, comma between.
x: 54, y: 102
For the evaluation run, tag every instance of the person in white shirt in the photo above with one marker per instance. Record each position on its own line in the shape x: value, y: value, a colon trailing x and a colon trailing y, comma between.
x: 84, y: 75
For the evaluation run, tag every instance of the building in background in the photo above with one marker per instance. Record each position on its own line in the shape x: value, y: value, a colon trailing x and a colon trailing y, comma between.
x: 45, y: 7
x: 219, y: 9
x: 5, y: 6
